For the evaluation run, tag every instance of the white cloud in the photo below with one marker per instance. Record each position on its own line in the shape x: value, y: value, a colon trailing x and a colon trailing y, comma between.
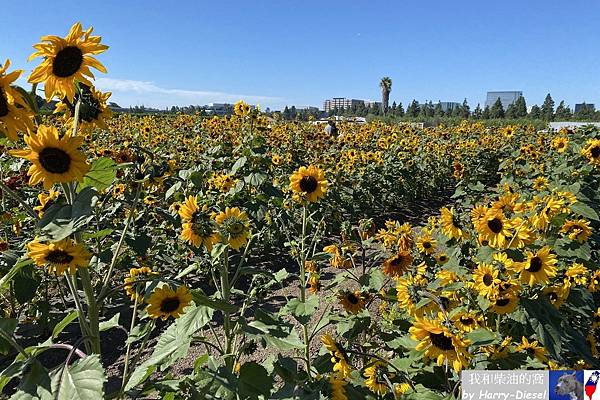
x: 128, y: 92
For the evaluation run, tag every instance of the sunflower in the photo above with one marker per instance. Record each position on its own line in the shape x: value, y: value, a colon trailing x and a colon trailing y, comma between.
x: 66, y: 61
x: 353, y: 302
x: 466, y: 321
x: 577, y: 274
x: 426, y: 244
x: 164, y: 302
x: 235, y: 226
x: 560, y: 144
x: 579, y: 230
x: 450, y: 224
x: 439, y: 343
x: 540, y: 183
x: 45, y: 201
x: 486, y: 280
x: 504, y: 304
x: 241, y: 109
x: 137, y: 291
x: 14, y: 112
x: 407, y: 292
x: 446, y: 277
x: 493, y: 228
x: 337, y: 387
x: 538, y: 267
x: 591, y: 151
x: 442, y: 258
x: 93, y: 111
x: 532, y: 349
x: 395, y: 266
x: 594, y: 285
x: 557, y: 294
x: 60, y: 257
x: 54, y: 159
x: 339, y: 359
x: 309, y: 183
x: 375, y: 374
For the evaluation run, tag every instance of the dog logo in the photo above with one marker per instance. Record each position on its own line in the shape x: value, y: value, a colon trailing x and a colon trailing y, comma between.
x: 568, y: 386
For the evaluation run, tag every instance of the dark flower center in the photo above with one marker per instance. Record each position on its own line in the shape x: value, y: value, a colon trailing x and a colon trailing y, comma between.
x: 352, y: 298
x: 169, y: 304
x: 3, y: 104
x: 426, y: 245
x: 67, y: 62
x: 441, y: 341
x: 308, y: 184
x: 488, y: 280
x: 467, y: 320
x: 59, y: 257
x: 595, y: 151
x: 495, y: 225
x: 502, y: 302
x: 54, y: 160
x: 397, y: 261
x: 553, y: 296
x: 443, y: 258
x: 535, y: 264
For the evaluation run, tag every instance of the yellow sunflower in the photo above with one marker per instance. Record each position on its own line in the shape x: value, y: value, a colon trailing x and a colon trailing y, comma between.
x: 235, y: 226
x: 504, y: 304
x: 494, y: 229
x: 532, y: 349
x: 426, y: 244
x: 309, y: 183
x: 442, y: 258
x: 93, y: 111
x: 60, y: 257
x: 376, y: 381
x: 579, y: 230
x: 538, y: 267
x: 450, y: 224
x: 557, y: 294
x: 466, y: 321
x: 66, y: 61
x: 135, y: 290
x: 339, y: 359
x: 486, y: 280
x: 440, y: 344
x: 591, y: 151
x: 560, y: 144
x: 337, y: 387
x: 15, y: 115
x: 54, y: 159
x: 45, y: 201
x: 353, y: 302
x: 164, y: 302
x: 395, y: 266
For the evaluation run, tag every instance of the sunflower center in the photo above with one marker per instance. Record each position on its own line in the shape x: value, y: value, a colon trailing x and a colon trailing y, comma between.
x: 502, y: 302
x: 67, y: 62
x: 495, y: 225
x: 396, y: 261
x: 236, y: 228
x: 443, y: 258
x: 54, y: 160
x: 3, y: 104
x: 308, y: 184
x: 535, y: 264
x: 595, y: 151
x: 441, y: 341
x: 426, y: 245
x: 553, y: 296
x: 59, y: 257
x: 169, y: 304
x: 352, y: 298
x: 488, y: 280
x: 467, y: 320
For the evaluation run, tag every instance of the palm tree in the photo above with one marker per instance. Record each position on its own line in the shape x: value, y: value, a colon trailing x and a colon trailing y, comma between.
x: 386, y: 88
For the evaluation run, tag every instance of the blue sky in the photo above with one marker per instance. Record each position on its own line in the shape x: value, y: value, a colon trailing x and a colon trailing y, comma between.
x: 301, y: 52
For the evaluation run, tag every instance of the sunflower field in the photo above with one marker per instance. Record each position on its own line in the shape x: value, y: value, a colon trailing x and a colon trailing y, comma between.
x: 243, y: 257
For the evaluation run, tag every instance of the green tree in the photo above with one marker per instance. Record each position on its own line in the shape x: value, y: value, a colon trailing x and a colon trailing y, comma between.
x: 478, y: 112
x: 536, y: 112
x: 465, y: 110
x: 548, y: 108
x: 413, y: 109
x: 563, y: 112
x: 486, y: 113
x: 386, y: 87
x: 511, y: 111
x: 497, y: 111
x: 400, y: 110
x: 438, y: 111
x: 520, y: 107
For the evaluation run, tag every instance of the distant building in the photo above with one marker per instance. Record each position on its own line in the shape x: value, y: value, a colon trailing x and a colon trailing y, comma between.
x: 581, y: 106
x: 306, y: 108
x: 218, y: 108
x: 507, y: 98
x: 448, y: 105
x: 342, y: 103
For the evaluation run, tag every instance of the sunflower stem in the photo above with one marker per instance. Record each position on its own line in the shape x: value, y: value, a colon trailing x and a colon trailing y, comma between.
x: 128, y: 351
x: 303, y: 292
x: 93, y: 312
x: 226, y: 294
x: 83, y: 325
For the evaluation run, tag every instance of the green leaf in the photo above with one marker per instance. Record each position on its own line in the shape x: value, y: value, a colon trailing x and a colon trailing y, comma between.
x: 482, y: 337
x: 256, y: 178
x: 240, y: 162
x: 585, y: 211
x: 84, y: 380
x: 4, y: 281
x: 61, y: 220
x: 97, y: 235
x: 101, y: 175
x: 35, y: 384
x: 302, y: 310
x: 217, y: 304
x: 111, y: 323
x: 254, y: 381
x: 545, y: 320
x: 7, y: 326
x: 72, y: 316
x: 26, y: 283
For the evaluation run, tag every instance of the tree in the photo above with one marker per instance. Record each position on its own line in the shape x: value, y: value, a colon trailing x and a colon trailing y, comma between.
x: 413, y: 109
x: 511, y: 111
x: 400, y: 110
x: 478, y: 113
x: 548, y: 108
x: 497, y: 111
x: 486, y: 113
x: 563, y: 112
x: 386, y: 88
x: 536, y: 112
x: 520, y: 107
x: 438, y: 111
x: 465, y: 110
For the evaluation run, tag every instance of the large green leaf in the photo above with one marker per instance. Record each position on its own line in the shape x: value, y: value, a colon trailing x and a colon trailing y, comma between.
x: 545, y: 320
x: 26, y: 283
x: 585, y: 211
x: 72, y: 316
x: 7, y: 326
x: 254, y: 381
x: 35, y: 384
x: 84, y: 380
x: 101, y: 175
